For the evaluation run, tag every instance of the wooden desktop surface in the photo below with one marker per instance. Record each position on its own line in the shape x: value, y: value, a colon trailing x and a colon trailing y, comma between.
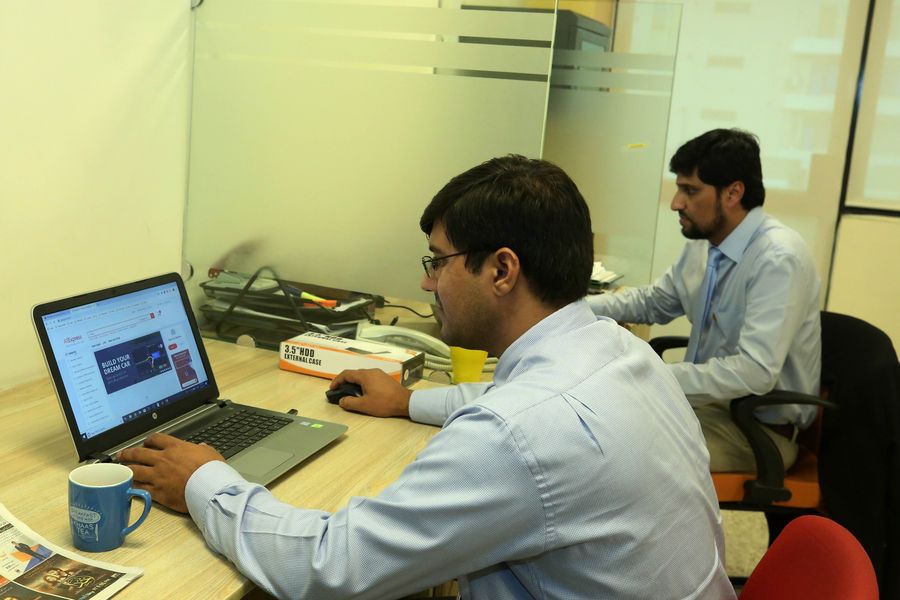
x: 36, y: 456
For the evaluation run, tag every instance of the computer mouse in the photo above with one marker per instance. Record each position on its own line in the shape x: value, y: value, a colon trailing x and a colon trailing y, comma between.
x: 345, y: 389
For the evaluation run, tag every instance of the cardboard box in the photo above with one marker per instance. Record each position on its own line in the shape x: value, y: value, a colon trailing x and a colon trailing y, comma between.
x: 325, y: 355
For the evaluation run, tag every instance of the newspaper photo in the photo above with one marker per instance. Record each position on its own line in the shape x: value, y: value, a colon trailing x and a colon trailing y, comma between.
x: 31, y: 568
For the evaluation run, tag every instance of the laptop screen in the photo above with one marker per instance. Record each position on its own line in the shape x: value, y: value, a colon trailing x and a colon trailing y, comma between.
x: 123, y: 357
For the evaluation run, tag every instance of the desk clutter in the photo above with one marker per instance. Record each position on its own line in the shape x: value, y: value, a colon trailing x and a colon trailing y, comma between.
x: 270, y: 310
x: 298, y: 319
x: 602, y: 278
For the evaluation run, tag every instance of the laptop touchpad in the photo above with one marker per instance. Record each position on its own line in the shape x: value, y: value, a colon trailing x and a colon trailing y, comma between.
x: 260, y: 461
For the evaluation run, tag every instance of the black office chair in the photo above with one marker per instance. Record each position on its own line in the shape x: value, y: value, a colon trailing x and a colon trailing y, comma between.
x: 849, y: 462
x: 859, y: 459
x: 770, y: 486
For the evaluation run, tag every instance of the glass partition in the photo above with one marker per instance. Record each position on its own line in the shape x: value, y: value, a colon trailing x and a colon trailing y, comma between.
x: 320, y: 130
x: 610, y: 90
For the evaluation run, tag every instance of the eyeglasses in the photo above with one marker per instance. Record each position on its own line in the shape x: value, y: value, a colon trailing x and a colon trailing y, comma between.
x: 432, y: 263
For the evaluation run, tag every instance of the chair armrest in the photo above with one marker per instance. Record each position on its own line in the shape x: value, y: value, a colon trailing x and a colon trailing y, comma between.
x: 667, y: 342
x: 768, y: 486
x: 778, y: 397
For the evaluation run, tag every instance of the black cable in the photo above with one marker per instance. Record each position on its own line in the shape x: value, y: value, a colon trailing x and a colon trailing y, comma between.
x: 418, y: 314
x: 286, y: 290
x: 246, y: 288
x: 234, y: 303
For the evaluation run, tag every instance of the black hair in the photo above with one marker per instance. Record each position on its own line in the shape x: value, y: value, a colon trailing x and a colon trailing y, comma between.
x: 721, y: 157
x: 530, y: 206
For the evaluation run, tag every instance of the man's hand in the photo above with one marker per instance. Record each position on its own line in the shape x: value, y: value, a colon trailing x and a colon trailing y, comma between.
x: 382, y: 395
x: 164, y: 465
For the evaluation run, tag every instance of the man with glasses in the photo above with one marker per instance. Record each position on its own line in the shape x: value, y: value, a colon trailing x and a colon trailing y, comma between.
x: 580, y: 472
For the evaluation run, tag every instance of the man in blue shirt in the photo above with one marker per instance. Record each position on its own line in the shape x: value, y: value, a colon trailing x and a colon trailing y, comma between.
x: 760, y: 329
x: 580, y: 472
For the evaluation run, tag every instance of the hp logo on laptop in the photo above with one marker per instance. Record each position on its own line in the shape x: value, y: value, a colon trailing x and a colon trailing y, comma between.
x: 154, y: 416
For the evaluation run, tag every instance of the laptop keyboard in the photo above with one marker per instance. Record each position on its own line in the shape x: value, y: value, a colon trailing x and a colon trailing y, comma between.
x: 237, y: 431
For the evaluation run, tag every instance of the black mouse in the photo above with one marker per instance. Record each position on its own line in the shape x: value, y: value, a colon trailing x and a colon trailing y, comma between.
x: 345, y: 389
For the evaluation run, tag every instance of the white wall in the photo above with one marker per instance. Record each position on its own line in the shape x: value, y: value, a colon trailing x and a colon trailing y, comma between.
x: 93, y: 153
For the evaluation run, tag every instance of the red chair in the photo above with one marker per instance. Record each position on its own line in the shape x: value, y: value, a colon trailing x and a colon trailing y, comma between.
x: 814, y: 557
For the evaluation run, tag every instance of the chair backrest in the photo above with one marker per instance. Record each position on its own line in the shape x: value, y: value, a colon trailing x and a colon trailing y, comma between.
x: 814, y: 557
x: 859, y: 458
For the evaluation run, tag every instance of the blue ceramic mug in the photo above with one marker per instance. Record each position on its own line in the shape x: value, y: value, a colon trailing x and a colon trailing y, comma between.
x: 99, y: 506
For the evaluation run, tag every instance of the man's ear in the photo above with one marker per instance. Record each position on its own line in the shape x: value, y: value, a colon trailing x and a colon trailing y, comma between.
x: 733, y: 195
x: 505, y: 270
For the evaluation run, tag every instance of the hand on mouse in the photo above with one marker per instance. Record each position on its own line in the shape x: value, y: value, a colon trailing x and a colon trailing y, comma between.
x: 382, y: 395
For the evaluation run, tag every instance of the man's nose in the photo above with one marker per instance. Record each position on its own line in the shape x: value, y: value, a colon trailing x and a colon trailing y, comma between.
x: 427, y: 283
x: 677, y: 203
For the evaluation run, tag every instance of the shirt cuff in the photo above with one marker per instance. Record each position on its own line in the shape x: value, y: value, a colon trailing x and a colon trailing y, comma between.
x: 204, y: 484
x: 429, y: 406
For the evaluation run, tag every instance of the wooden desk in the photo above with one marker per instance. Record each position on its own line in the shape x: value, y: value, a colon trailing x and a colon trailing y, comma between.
x: 36, y: 456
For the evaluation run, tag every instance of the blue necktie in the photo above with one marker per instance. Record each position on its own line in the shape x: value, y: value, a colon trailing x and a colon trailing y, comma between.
x: 706, y: 292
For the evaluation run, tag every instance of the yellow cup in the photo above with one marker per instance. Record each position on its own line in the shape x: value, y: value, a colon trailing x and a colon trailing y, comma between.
x: 467, y: 364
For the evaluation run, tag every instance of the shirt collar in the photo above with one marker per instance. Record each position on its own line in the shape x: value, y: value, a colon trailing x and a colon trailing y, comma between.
x: 571, y: 316
x: 737, y: 241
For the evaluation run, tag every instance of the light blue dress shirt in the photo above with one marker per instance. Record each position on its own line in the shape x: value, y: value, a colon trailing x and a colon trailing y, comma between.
x: 764, y: 332
x: 580, y: 472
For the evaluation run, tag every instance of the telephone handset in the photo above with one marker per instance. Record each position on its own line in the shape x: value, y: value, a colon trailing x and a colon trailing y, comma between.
x: 406, y: 337
x: 437, y: 353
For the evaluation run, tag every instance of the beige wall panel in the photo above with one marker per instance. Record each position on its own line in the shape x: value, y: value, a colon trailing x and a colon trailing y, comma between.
x: 93, y: 152
x: 865, y: 281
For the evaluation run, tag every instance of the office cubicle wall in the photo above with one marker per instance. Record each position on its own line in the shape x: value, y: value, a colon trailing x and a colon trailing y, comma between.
x: 321, y: 130
x: 606, y: 124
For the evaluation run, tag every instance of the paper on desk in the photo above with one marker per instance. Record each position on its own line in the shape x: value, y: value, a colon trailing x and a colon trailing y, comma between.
x: 32, y: 567
x: 601, y: 275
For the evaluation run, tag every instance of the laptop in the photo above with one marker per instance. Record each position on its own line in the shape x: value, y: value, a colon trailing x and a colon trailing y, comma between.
x: 128, y: 361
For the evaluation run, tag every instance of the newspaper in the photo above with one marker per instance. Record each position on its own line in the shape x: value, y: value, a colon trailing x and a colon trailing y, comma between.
x: 32, y: 568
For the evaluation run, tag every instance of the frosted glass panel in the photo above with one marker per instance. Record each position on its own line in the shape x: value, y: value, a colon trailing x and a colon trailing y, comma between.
x: 606, y: 123
x: 875, y: 170
x: 321, y: 129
